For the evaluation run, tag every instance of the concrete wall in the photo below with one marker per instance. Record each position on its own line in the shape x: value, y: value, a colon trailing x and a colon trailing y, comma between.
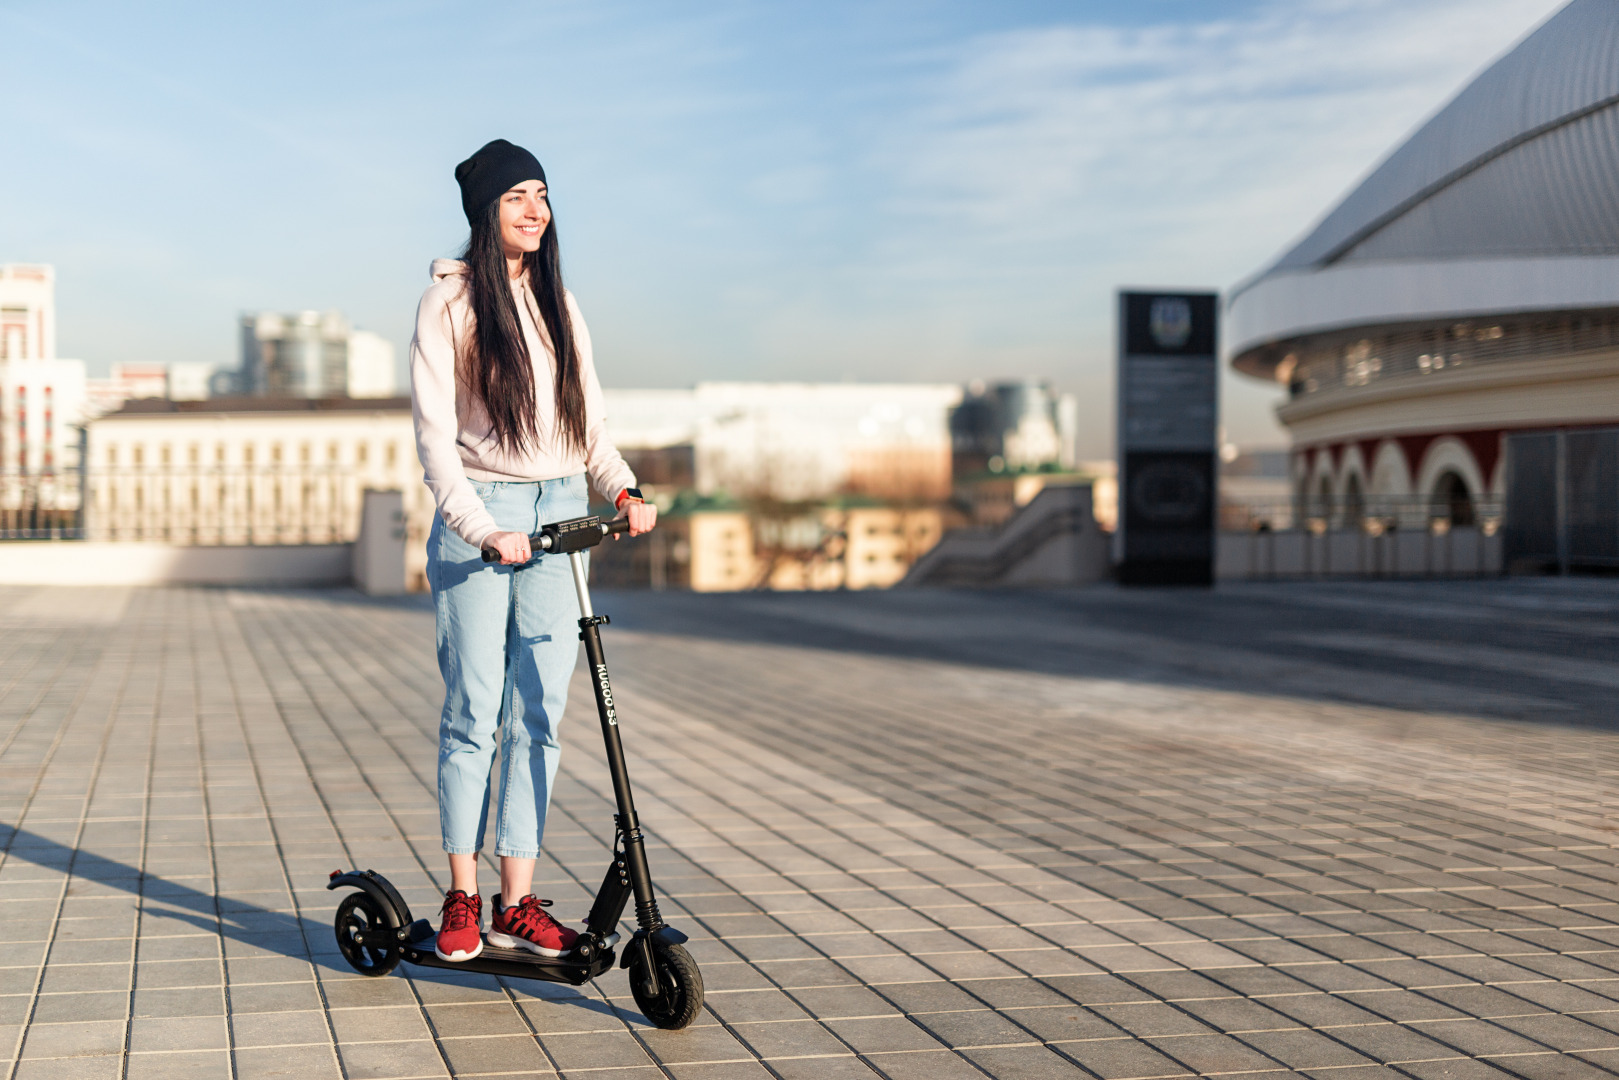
x: 379, y: 551
x: 63, y: 562
x: 1353, y: 553
x: 375, y: 563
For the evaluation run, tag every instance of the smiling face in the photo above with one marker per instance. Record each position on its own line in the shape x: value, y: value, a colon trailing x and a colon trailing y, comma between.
x: 524, y: 215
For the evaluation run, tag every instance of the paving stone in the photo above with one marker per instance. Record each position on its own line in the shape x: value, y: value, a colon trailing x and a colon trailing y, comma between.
x: 884, y: 1034
x: 926, y: 1065
x: 388, y: 1060
x: 285, y: 1027
x: 496, y: 1055
x: 288, y: 1063
x: 177, y: 1033
x: 595, y: 1050
x: 87, y: 1039
x: 70, y: 1068
x: 192, y: 1065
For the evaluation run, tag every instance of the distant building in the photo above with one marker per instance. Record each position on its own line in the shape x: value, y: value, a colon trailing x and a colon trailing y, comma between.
x: 132, y: 382
x: 1463, y: 297
x: 1014, y: 427
x: 42, y: 400
x: 370, y: 366
x: 308, y: 354
x: 792, y: 442
x: 709, y: 546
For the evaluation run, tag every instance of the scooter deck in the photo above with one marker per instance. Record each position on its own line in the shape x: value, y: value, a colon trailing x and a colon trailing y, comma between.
x: 514, y: 963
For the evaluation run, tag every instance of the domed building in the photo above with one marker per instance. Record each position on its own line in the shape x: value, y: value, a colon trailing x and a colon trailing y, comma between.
x: 1465, y: 292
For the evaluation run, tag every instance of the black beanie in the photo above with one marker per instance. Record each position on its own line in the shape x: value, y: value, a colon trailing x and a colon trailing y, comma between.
x: 495, y: 169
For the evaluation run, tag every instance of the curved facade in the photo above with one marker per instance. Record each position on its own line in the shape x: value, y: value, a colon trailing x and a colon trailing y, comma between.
x: 1467, y: 288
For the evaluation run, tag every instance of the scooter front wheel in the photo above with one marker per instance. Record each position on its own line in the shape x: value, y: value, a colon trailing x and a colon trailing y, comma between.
x: 680, y: 988
x: 360, y: 915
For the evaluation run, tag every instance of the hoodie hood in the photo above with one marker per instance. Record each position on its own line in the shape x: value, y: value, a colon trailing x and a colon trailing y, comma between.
x: 443, y: 268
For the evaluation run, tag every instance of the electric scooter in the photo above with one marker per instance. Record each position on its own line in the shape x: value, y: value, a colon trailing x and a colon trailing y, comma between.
x: 374, y: 925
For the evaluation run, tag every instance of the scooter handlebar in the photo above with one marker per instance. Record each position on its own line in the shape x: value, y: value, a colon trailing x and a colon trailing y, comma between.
x: 574, y: 535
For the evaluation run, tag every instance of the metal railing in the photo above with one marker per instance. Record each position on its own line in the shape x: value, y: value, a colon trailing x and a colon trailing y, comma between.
x: 207, y: 505
x: 40, y: 505
x: 1338, y: 360
x: 1373, y: 514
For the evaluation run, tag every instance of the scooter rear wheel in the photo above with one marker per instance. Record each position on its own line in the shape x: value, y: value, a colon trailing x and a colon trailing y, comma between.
x: 359, y: 914
x: 680, y: 988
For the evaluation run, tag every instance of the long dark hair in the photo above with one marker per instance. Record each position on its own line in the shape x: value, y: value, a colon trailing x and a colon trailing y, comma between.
x: 496, y: 365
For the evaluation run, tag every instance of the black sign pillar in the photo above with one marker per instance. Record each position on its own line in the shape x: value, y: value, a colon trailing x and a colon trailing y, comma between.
x: 1168, y: 391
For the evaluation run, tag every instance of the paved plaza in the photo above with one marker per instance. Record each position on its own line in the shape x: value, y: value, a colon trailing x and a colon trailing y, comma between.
x: 1344, y: 831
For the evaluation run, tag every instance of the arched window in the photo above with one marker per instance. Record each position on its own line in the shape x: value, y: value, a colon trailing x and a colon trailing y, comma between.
x: 1452, y: 502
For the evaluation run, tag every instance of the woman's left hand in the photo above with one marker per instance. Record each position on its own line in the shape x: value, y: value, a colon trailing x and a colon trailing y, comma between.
x: 643, y: 516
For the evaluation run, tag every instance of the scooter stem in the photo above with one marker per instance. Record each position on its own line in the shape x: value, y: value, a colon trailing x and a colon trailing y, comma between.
x: 635, y: 866
x: 577, y: 562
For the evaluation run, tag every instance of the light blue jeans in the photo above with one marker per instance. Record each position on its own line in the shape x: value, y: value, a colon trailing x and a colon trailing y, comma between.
x: 508, y: 639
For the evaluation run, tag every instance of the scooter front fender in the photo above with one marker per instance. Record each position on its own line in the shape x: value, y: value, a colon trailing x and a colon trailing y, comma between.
x: 639, y: 945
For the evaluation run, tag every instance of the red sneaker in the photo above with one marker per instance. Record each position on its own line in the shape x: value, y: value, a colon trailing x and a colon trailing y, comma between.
x: 458, y: 936
x: 527, y: 925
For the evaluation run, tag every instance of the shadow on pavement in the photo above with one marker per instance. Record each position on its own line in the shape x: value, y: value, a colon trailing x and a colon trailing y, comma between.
x: 276, y: 932
x: 1466, y: 647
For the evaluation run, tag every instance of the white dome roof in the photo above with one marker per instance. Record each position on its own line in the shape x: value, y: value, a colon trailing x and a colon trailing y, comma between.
x: 1508, y: 199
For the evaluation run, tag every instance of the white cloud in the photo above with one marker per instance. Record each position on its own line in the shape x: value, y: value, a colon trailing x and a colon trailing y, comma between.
x: 1064, y: 161
x: 1233, y: 134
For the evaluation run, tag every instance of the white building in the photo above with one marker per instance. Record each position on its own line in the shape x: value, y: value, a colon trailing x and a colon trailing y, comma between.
x: 252, y: 472
x: 370, y: 365
x: 42, y: 401
x: 798, y: 441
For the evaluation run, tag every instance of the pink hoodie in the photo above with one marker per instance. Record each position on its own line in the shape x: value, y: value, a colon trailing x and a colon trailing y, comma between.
x: 454, y: 438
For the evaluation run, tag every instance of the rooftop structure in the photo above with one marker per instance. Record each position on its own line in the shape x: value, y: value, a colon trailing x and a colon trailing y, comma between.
x: 27, y: 312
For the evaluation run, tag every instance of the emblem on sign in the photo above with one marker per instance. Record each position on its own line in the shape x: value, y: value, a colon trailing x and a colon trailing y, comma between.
x: 1170, y: 321
x: 1169, y: 492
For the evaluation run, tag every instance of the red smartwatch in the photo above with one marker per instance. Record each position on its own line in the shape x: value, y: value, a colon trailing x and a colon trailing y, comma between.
x: 628, y: 495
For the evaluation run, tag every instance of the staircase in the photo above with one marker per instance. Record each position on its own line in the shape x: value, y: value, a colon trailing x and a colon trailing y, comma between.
x: 1053, y: 540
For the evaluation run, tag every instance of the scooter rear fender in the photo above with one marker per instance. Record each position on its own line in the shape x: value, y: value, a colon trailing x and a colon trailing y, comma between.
x: 380, y: 889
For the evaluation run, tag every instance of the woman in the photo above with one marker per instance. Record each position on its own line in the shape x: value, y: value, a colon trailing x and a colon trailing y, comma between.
x: 509, y: 423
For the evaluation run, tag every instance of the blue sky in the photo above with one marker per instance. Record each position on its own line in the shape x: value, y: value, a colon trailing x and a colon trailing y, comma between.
x: 878, y: 190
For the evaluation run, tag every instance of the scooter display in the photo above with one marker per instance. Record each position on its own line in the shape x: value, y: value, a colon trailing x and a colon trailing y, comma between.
x: 374, y: 926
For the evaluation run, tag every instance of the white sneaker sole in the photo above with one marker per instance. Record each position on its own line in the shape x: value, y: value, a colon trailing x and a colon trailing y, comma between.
x: 459, y: 955
x: 506, y: 941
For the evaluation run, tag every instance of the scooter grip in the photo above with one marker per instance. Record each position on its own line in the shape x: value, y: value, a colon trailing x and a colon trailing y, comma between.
x: 616, y: 526
x: 535, y: 543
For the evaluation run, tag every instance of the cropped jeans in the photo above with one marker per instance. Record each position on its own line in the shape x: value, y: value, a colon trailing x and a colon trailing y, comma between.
x: 508, y: 639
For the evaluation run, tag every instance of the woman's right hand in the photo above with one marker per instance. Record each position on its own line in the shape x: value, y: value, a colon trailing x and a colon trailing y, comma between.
x: 512, y: 547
